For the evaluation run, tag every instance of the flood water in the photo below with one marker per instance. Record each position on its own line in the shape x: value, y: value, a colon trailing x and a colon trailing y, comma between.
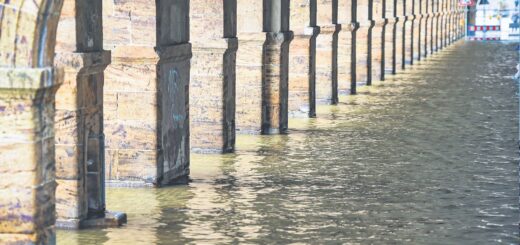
x: 426, y: 157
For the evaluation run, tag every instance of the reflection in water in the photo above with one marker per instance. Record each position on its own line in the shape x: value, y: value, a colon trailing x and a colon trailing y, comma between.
x: 426, y: 157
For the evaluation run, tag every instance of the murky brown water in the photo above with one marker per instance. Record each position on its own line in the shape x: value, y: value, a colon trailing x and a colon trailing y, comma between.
x: 426, y: 157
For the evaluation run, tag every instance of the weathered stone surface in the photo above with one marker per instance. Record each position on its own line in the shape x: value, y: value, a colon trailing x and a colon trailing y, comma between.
x: 377, y: 43
x: 326, y: 50
x: 345, y: 19
x: 146, y: 97
x: 249, y: 66
x: 212, y: 95
x: 400, y: 36
x: 302, y: 59
x: 363, y: 42
x: 275, y: 82
x: 27, y: 197
x: 409, y: 32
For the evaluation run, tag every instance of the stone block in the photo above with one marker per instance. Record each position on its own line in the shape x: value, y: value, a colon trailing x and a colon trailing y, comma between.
x: 70, y: 200
x: 137, y: 106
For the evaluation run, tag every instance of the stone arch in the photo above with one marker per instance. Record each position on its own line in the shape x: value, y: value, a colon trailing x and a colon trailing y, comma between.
x: 28, y: 82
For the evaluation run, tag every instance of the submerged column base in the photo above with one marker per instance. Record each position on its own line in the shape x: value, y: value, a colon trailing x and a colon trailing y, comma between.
x: 109, y: 219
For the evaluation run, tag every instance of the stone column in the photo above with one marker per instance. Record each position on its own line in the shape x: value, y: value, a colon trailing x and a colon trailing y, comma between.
x: 146, y: 92
x: 326, y: 52
x: 275, y: 72
x: 302, y: 59
x: 390, y: 36
x: 364, y: 42
x: 212, y: 85
x: 426, y: 34
x: 410, y: 29
x: 79, y: 137
x: 419, y: 29
x: 345, y: 44
x: 448, y: 22
x: 354, y: 27
x: 249, y: 66
x: 464, y: 22
x: 28, y: 84
x: 435, y: 26
x: 442, y: 24
x: 378, y: 40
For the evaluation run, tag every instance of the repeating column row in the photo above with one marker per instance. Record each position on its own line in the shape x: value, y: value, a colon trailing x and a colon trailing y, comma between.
x: 134, y: 102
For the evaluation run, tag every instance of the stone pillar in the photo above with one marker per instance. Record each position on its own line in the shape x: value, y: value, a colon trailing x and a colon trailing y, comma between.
x: 419, y: 29
x: 146, y: 92
x: 28, y: 84
x: 212, y: 85
x: 447, y: 23
x: 410, y: 29
x: 364, y: 42
x: 249, y: 66
x: 442, y: 24
x: 275, y: 71
x: 302, y: 59
x: 390, y: 36
x: 426, y: 28
x: 345, y: 44
x: 79, y: 137
x: 326, y: 52
x: 400, y: 36
x: 353, y: 48
x: 435, y: 26
x: 378, y: 40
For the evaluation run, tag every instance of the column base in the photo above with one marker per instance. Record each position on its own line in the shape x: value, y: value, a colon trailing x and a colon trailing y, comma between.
x: 111, y: 219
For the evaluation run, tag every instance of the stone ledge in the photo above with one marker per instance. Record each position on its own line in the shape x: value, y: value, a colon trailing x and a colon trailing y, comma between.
x: 174, y: 53
x: 84, y: 63
x: 229, y: 44
x: 330, y: 29
x: 311, y: 31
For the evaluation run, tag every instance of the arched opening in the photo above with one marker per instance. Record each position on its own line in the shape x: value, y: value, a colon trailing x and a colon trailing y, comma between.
x: 28, y: 83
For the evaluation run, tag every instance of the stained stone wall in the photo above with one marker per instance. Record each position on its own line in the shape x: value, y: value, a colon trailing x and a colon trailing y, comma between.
x: 377, y: 35
x: 79, y: 113
x: 409, y: 30
x: 390, y: 36
x: 251, y: 39
x: 302, y: 59
x: 212, y: 96
x: 400, y: 35
x: 364, y: 42
x: 146, y: 92
x: 418, y: 28
x: 28, y: 83
x: 345, y: 9
x: 325, y: 84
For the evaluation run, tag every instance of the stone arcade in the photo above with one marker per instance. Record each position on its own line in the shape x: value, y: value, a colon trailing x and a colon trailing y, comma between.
x: 103, y: 92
